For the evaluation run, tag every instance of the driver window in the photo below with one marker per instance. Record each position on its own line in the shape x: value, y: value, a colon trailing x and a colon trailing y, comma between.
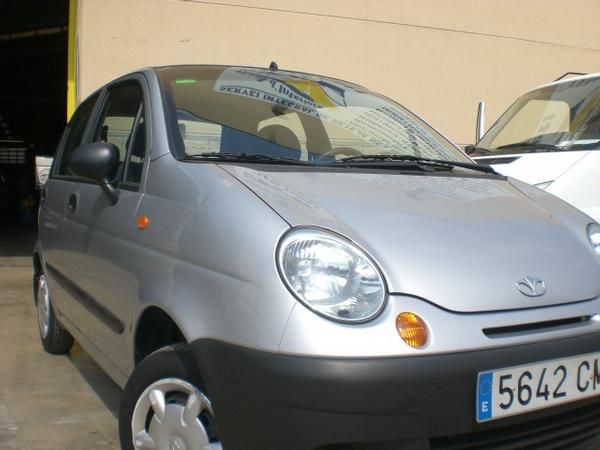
x: 75, y: 131
x: 116, y: 124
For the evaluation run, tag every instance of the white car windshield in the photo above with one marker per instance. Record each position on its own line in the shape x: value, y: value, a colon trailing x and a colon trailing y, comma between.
x: 558, y: 117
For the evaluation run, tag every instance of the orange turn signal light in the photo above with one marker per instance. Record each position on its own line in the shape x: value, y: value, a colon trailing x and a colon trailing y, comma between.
x: 412, y: 329
x: 142, y: 222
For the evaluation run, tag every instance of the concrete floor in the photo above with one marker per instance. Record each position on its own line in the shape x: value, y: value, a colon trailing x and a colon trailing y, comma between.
x: 46, y: 402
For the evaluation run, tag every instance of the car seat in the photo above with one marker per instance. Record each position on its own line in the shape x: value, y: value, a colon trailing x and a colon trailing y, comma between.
x: 273, y: 140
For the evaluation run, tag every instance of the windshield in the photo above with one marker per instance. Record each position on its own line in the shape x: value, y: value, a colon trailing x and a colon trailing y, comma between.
x: 563, y: 116
x: 289, y: 115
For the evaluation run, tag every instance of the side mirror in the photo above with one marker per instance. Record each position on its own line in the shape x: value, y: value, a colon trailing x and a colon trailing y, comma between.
x: 480, y: 124
x: 97, y: 162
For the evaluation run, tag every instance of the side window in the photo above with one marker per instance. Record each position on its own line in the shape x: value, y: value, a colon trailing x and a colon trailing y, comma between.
x: 136, y: 150
x: 75, y: 131
x: 122, y: 115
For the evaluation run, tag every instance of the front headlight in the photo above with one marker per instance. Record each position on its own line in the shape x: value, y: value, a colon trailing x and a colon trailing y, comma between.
x: 593, y: 230
x: 331, y: 275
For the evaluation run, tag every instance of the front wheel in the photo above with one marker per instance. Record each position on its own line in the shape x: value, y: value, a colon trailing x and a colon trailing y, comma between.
x: 54, y: 337
x: 163, y: 406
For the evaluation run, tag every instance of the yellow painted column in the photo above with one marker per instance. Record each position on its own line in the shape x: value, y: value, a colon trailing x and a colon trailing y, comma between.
x: 72, y: 60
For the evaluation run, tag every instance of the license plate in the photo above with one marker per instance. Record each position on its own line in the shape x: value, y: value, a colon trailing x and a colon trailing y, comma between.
x: 516, y: 390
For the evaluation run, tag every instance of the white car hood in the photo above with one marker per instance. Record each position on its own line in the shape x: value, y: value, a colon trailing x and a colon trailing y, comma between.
x: 534, y: 168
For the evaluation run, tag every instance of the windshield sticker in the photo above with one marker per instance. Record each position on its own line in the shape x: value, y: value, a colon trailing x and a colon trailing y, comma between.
x: 285, y: 89
x: 367, y: 117
x: 185, y: 81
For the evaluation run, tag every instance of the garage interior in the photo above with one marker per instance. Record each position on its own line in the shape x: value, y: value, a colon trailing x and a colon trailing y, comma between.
x: 33, y: 99
x: 46, y: 402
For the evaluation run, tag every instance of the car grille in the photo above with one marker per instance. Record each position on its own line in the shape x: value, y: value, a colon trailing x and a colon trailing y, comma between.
x: 575, y: 430
x: 548, y: 325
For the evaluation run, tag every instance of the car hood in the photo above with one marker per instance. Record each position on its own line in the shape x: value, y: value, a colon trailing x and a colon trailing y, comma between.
x: 460, y: 242
x: 534, y: 168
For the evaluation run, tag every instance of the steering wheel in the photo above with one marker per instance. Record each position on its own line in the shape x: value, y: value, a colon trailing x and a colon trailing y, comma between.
x: 347, y: 151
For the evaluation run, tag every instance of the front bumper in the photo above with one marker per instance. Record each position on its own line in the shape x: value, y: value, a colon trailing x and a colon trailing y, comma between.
x: 266, y: 401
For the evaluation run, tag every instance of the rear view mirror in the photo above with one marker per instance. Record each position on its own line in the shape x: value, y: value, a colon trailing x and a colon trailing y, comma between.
x: 97, y: 162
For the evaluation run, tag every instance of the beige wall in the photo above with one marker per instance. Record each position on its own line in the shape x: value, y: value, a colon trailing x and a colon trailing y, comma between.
x: 437, y: 57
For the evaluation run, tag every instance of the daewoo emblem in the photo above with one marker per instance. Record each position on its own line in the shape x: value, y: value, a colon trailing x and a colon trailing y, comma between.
x: 531, y: 287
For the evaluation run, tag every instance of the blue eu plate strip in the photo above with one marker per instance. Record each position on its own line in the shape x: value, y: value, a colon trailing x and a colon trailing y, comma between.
x: 484, y: 396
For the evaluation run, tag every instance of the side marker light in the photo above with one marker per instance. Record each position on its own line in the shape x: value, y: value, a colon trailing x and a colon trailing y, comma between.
x: 142, y: 222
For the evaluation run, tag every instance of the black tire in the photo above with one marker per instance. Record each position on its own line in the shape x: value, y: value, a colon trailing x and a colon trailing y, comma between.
x: 55, y: 339
x: 171, y: 362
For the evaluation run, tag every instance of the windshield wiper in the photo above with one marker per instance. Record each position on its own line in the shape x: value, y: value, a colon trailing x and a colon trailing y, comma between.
x: 245, y: 157
x: 419, y: 160
x: 533, y: 146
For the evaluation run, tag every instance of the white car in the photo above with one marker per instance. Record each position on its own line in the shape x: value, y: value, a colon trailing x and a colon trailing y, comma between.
x: 550, y: 137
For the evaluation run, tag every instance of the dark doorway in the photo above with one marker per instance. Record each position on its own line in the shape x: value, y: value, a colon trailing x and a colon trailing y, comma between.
x: 33, y: 98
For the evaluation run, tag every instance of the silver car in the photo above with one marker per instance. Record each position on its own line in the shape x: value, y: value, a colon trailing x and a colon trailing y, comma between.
x: 272, y: 260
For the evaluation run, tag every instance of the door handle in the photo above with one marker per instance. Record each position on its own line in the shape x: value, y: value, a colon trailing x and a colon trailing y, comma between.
x: 72, y: 205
